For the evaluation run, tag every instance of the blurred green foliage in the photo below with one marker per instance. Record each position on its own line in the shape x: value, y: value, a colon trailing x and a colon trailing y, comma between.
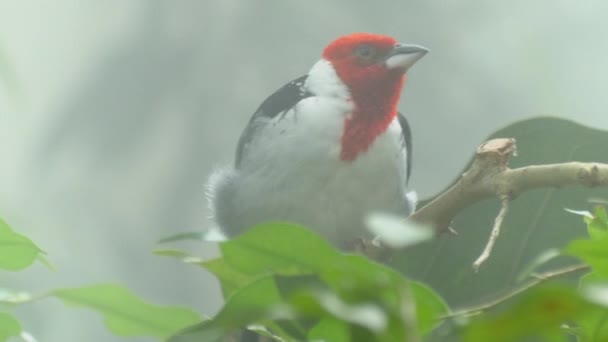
x: 287, y: 283
x: 124, y: 313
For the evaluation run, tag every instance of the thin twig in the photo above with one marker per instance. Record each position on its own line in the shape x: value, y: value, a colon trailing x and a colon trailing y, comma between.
x: 539, y: 278
x: 504, y: 209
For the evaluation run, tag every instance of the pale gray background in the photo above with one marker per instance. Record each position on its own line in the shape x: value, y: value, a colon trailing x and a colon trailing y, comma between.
x: 113, y: 113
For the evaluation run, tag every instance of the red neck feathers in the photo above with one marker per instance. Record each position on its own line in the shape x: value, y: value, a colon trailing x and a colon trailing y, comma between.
x: 375, y: 109
x: 359, y: 62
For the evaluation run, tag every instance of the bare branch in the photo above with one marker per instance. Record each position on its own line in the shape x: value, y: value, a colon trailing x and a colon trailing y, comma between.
x: 494, y: 234
x: 490, y: 176
x: 539, y: 278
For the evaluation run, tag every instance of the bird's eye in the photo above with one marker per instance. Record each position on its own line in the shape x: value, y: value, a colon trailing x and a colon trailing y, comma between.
x: 365, y: 52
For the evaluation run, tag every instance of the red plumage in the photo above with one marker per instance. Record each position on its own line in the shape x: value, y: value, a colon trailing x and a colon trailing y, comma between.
x: 374, y: 89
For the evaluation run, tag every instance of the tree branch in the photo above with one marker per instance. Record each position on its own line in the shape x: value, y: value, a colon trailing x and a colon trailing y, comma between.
x: 490, y: 176
x: 538, y: 278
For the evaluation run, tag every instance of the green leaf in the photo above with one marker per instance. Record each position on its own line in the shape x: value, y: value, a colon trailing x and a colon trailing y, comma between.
x: 46, y: 262
x: 230, y: 278
x: 9, y: 326
x: 355, y: 273
x: 368, y: 315
x: 278, y: 247
x: 365, y: 319
x: 379, y: 317
x: 254, y: 302
x: 429, y: 306
x: 287, y: 277
x: 594, y: 252
x: 535, y: 222
x: 330, y: 329
x: 181, y: 255
x: 359, y: 280
x: 539, y: 313
x: 262, y: 331
x: 204, y: 331
x: 595, y: 326
x: 16, y: 251
x: 192, y: 236
x: 127, y: 315
x: 597, y: 226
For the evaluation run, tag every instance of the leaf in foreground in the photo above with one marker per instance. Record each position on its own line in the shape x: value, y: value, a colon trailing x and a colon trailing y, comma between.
x: 540, y: 313
x: 9, y: 326
x: 594, y: 252
x: 278, y: 247
x: 286, y: 272
x: 251, y: 303
x: 594, y: 327
x: 597, y: 225
x: 16, y: 251
x: 127, y: 315
x: 429, y: 306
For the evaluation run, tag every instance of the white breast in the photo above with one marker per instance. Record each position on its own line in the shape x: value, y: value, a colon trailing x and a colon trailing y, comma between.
x: 294, y: 174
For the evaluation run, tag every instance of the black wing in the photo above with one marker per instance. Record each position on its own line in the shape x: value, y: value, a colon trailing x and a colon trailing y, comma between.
x: 278, y: 103
x: 407, y: 143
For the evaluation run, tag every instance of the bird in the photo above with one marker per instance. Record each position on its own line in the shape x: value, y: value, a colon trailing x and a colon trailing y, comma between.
x: 326, y: 149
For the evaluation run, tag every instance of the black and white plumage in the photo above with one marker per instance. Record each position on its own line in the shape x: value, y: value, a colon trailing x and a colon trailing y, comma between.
x: 278, y: 103
x: 290, y: 163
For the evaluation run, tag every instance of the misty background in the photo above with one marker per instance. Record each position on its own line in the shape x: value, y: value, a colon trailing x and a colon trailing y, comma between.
x: 113, y: 113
